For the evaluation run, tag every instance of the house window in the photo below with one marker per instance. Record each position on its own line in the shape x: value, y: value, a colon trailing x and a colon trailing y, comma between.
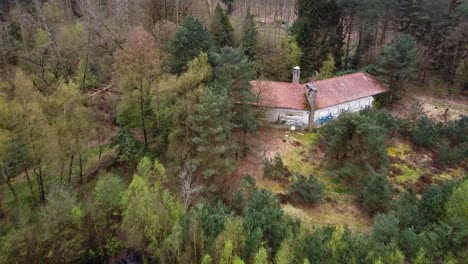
x: 357, y: 104
x: 335, y: 111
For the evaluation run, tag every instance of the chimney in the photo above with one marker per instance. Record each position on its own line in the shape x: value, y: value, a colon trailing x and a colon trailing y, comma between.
x: 296, y: 74
x: 311, y: 95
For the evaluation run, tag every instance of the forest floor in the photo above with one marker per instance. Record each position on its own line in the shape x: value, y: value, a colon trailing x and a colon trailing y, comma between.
x: 433, y: 106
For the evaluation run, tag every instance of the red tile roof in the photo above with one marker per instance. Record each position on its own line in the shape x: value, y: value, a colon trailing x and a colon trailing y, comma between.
x: 281, y: 94
x: 347, y: 88
x: 332, y: 91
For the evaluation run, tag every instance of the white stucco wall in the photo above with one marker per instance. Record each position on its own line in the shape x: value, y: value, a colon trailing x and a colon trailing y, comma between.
x: 351, y: 106
x: 289, y: 116
x: 301, y: 117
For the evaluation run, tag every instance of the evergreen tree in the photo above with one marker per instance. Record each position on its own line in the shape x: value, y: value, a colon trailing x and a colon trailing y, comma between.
x: 457, y: 204
x: 233, y: 72
x: 211, y: 125
x: 250, y: 35
x: 221, y: 28
x: 413, y: 20
x: 397, y: 62
x: 406, y: 209
x: 315, y: 31
x: 376, y: 194
x: 191, y: 39
x: 356, y: 139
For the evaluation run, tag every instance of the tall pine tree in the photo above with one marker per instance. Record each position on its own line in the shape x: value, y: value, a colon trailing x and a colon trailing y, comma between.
x: 211, y: 125
x: 250, y: 35
x: 413, y: 20
x: 191, y: 39
x: 316, y: 32
x: 397, y: 62
x: 233, y: 72
x: 221, y: 29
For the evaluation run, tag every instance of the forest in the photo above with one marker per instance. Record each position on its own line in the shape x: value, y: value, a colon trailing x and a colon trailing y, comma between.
x: 130, y: 133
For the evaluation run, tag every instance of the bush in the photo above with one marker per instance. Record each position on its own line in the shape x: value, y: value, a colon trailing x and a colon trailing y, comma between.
x: 425, y: 133
x: 410, y: 242
x: 376, y: 195
x: 386, y: 228
x: 273, y: 168
x: 406, y: 209
x: 306, y: 190
x: 382, y: 118
x: 356, y: 139
x: 457, y: 204
x: 404, y: 126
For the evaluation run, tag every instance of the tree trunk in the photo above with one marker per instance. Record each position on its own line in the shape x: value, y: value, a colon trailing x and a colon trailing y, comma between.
x: 80, y: 158
x: 2, y: 214
x: 30, y: 186
x: 142, y: 110
x: 15, y: 195
x: 62, y: 165
x: 70, y: 168
x: 100, y: 152
x: 83, y: 81
x: 348, y: 41
x: 40, y: 183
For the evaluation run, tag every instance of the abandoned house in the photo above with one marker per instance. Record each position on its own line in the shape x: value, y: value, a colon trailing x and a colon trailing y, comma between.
x: 315, y: 103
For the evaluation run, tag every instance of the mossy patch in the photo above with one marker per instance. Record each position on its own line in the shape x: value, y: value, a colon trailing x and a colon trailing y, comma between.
x: 409, y: 174
x: 400, y: 149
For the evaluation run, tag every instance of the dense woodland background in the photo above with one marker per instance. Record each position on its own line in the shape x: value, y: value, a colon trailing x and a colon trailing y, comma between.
x: 122, y: 123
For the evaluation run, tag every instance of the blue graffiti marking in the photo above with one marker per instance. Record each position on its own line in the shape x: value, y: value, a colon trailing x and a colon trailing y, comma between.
x: 324, y: 119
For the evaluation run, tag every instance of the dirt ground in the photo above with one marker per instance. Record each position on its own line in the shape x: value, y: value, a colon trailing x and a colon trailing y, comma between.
x: 340, y: 205
x: 433, y: 107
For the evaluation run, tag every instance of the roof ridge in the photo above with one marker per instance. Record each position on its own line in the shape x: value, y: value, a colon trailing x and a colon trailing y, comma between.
x: 342, y: 76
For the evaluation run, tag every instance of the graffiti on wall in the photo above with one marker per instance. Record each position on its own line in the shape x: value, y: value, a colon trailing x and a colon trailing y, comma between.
x: 324, y: 119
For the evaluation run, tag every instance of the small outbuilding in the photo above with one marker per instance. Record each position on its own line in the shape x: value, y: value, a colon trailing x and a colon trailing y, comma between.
x: 313, y: 104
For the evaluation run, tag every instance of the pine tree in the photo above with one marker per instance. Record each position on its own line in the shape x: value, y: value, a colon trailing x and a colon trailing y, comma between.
x: 233, y: 72
x: 211, y: 125
x: 250, y: 35
x: 397, y: 62
x: 413, y: 21
x: 316, y: 32
x: 191, y: 39
x: 376, y: 195
x: 221, y: 28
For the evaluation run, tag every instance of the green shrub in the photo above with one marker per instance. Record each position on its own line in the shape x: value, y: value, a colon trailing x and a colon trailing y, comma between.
x: 306, y: 189
x: 273, y: 168
x: 457, y: 131
x: 425, y: 133
x: 406, y: 209
x: 410, y: 242
x: 386, y: 228
x: 382, y: 118
x: 404, y: 126
x: 376, y: 195
x: 355, y: 139
x: 457, y: 204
